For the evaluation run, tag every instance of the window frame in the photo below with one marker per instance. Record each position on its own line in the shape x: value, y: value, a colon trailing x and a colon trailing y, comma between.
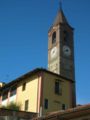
x: 45, y: 103
x: 26, y: 105
x: 54, y: 37
x: 66, y: 36
x: 57, y: 88
x: 13, y: 91
x: 24, y: 86
x: 63, y: 107
x: 4, y: 96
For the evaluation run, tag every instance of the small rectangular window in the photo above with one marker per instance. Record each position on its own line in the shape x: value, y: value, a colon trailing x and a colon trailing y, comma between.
x: 26, y: 105
x: 46, y: 103
x: 63, y: 107
x: 54, y: 38
x: 57, y: 87
x: 4, y: 96
x: 13, y: 91
x: 24, y: 86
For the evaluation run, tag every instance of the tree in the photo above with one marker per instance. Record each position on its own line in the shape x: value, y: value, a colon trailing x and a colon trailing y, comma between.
x: 12, y: 106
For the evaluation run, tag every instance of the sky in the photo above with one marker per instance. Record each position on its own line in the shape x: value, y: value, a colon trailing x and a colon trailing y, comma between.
x: 24, y: 26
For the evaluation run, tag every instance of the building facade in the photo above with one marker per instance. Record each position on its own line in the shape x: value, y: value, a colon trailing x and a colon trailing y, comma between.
x: 39, y: 91
x: 61, y: 47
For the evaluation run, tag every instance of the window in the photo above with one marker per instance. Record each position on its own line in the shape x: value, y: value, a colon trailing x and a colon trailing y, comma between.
x: 13, y: 92
x: 63, y: 107
x: 54, y: 38
x: 4, y: 96
x: 66, y: 36
x: 57, y: 87
x: 46, y: 104
x: 26, y: 105
x: 24, y: 87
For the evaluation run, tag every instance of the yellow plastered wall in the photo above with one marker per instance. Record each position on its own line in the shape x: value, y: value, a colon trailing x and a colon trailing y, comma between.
x: 30, y: 93
x: 2, y: 84
x: 55, y: 101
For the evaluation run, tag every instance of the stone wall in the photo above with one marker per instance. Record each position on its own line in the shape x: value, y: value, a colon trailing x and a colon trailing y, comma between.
x: 6, y: 114
x: 11, y: 118
x: 79, y: 113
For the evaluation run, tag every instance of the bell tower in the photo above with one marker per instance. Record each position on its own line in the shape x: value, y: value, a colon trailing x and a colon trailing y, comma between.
x: 61, y: 47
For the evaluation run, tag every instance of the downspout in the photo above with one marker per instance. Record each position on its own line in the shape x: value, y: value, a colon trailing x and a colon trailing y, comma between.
x: 40, y: 95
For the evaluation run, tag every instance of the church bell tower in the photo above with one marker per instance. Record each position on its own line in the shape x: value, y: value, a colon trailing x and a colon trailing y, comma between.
x: 61, y: 47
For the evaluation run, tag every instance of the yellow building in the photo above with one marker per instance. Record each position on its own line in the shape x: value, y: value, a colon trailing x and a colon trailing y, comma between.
x: 39, y: 91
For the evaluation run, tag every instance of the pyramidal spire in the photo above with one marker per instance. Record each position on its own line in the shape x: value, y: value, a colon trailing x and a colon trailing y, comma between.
x: 60, y: 18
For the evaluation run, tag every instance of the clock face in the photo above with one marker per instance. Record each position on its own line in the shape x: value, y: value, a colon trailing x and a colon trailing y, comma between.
x: 53, y: 52
x: 66, y: 50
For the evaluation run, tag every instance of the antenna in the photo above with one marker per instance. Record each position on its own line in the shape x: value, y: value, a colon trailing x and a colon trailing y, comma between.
x: 60, y: 4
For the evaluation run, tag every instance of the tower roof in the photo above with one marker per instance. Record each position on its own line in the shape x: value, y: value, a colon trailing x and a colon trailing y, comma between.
x: 60, y: 18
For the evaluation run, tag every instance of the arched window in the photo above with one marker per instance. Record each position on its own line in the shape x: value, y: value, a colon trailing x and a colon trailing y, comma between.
x: 54, y: 38
x: 66, y: 36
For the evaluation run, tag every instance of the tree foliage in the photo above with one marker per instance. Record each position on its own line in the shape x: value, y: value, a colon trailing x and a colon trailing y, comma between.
x: 12, y: 106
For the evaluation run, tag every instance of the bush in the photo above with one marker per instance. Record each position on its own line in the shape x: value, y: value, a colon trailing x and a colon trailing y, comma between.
x: 12, y: 106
